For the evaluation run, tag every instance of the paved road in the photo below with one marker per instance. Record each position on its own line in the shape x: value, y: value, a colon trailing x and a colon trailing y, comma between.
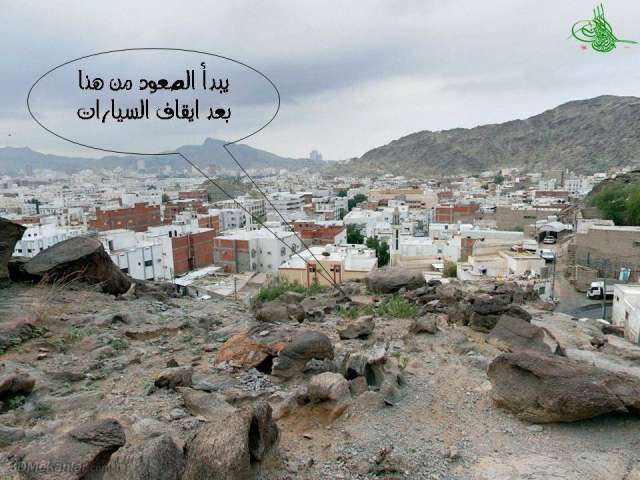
x: 571, y: 301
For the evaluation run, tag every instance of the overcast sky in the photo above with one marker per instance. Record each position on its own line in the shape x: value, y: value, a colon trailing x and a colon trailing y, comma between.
x: 352, y: 75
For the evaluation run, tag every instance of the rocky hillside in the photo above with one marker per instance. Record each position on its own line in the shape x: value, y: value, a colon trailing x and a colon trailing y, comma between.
x: 393, y: 378
x: 584, y: 136
x: 14, y: 160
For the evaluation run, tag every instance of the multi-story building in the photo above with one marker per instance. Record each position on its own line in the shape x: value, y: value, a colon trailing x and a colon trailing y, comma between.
x: 138, y: 218
x: 255, y: 250
x: 140, y: 256
x: 40, y: 237
x: 285, y: 204
x: 320, y: 233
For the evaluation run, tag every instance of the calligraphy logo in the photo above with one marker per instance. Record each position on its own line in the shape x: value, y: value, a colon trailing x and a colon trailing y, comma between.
x: 597, y: 31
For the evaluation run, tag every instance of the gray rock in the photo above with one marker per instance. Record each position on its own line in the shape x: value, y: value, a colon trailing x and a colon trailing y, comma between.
x: 10, y: 234
x: 511, y: 334
x: 174, y: 377
x: 393, y: 279
x: 81, y: 259
x: 328, y: 386
x: 361, y: 327
x: 426, y: 324
x: 233, y: 448
x: 543, y: 388
x: 153, y: 458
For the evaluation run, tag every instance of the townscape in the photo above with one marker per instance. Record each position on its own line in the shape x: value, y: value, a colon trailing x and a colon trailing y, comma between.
x: 319, y: 240
x: 317, y: 326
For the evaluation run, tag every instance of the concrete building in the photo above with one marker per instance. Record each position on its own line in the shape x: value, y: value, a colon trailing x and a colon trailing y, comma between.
x: 40, y: 237
x: 332, y: 263
x: 501, y: 265
x: 253, y: 209
x: 605, y: 250
x: 626, y: 310
x: 138, y: 218
x: 320, y: 233
x: 141, y: 257
x: 289, y: 205
x: 254, y: 250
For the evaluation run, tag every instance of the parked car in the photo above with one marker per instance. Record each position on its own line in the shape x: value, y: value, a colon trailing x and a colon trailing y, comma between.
x: 548, y: 255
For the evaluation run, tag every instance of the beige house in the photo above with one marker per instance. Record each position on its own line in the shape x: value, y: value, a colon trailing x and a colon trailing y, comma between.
x: 332, y: 263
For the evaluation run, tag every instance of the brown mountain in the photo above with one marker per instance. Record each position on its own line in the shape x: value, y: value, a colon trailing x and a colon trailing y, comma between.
x: 583, y: 135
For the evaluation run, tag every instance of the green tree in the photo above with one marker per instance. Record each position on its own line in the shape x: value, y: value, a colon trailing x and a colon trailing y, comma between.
x: 498, y: 179
x: 382, y: 250
x: 342, y: 213
x: 354, y: 235
x: 620, y: 203
x: 342, y: 193
x: 360, y: 197
x: 165, y: 198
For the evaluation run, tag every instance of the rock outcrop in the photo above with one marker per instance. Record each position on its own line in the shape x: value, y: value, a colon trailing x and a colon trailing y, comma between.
x: 393, y: 279
x: 10, y: 234
x: 231, y: 448
x: 512, y: 334
x: 73, y: 456
x: 543, y: 388
x: 79, y: 259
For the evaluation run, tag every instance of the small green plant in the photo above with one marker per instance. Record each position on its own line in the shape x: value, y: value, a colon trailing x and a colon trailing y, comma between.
x: 60, y: 344
x: 16, y: 401
x: 118, y: 344
x: 273, y: 291
x: 397, y: 306
x: 75, y: 332
x: 450, y: 269
x: 394, y: 306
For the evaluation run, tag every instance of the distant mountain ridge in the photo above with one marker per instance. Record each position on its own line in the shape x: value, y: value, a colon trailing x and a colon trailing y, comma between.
x: 14, y: 160
x: 582, y: 135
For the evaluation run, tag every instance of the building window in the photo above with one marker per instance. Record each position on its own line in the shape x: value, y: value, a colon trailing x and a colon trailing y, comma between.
x: 148, y: 263
x: 124, y: 270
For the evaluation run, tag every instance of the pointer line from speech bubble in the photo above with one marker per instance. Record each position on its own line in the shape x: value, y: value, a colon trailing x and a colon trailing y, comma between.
x: 326, y: 275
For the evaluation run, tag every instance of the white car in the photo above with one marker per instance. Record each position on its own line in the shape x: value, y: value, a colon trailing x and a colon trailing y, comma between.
x: 548, y: 255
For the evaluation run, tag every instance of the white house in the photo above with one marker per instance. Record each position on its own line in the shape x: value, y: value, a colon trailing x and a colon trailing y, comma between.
x: 626, y: 310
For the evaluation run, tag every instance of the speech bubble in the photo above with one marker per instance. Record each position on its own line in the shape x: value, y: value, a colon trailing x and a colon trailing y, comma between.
x: 148, y: 101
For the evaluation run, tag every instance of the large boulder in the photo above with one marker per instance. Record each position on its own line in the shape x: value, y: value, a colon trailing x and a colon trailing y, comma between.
x: 542, y: 388
x: 232, y: 448
x: 512, y: 334
x: 256, y: 347
x: 328, y: 386
x: 278, y: 311
x: 10, y: 234
x: 393, y: 279
x: 305, y: 346
x: 73, y: 456
x: 79, y: 259
x: 156, y: 457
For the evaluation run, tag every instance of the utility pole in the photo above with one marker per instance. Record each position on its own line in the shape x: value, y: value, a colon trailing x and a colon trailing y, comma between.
x: 553, y: 278
x: 604, y: 298
x: 235, y: 288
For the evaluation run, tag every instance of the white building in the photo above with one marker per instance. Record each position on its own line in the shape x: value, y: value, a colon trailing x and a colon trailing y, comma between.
x: 142, y: 256
x: 254, y: 209
x: 40, y: 237
x: 289, y: 205
x: 626, y: 310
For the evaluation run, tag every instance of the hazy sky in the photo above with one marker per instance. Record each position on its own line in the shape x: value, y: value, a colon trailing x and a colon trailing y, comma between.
x: 352, y: 75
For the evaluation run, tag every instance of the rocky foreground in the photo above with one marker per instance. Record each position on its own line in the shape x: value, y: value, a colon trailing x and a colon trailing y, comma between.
x: 394, y: 379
